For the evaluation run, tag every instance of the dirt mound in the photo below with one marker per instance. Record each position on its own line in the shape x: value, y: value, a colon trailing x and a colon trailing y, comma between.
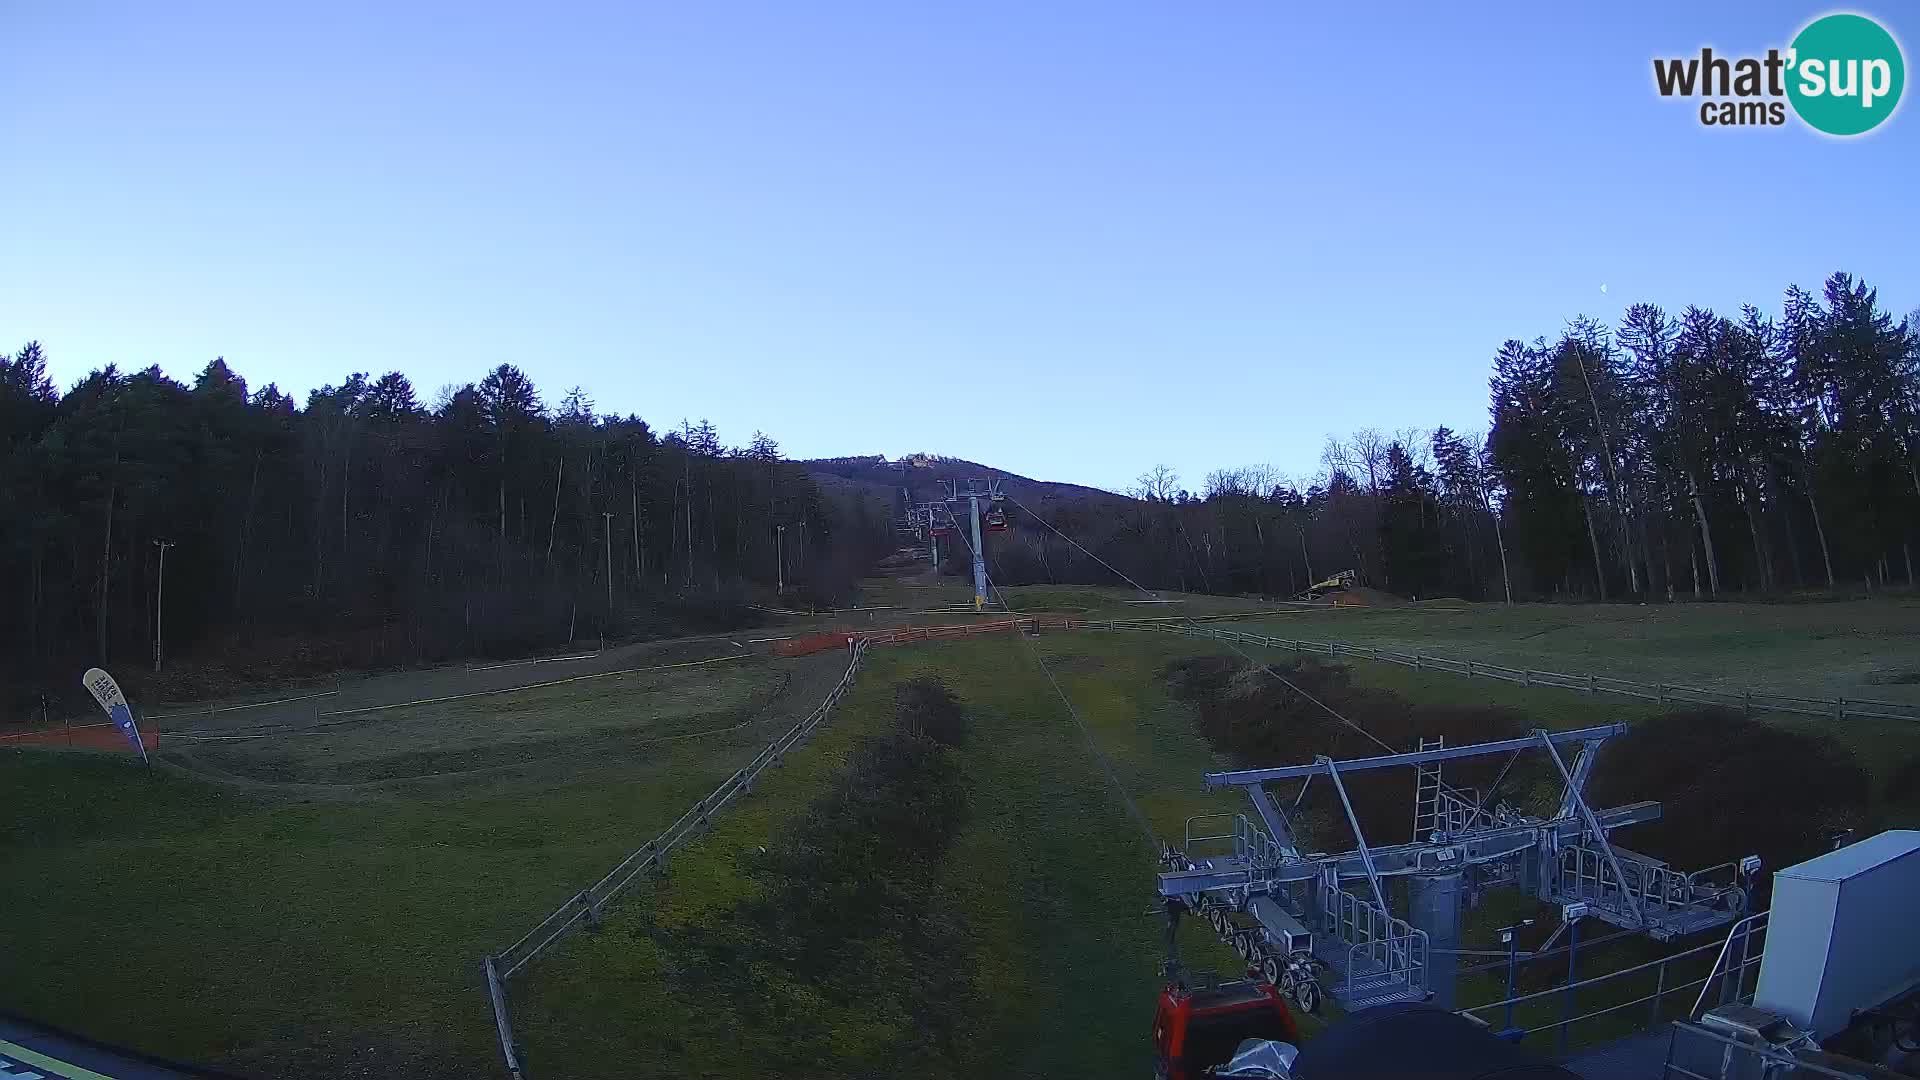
x: 1903, y: 791
x: 1362, y: 596
x: 1729, y: 786
x: 1261, y: 721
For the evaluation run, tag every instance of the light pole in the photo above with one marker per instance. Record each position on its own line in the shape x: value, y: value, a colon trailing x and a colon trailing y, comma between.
x: 1571, y: 914
x: 780, y: 559
x: 676, y: 490
x: 609, y: 538
x: 159, y: 600
x: 1511, y: 940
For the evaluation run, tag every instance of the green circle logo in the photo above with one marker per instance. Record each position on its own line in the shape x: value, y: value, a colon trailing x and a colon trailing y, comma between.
x: 1845, y: 74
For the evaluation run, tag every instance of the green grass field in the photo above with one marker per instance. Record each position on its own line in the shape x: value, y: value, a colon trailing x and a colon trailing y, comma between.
x: 558, y: 729
x: 317, y: 904
x: 1056, y: 878
x: 1058, y: 884
x: 285, y: 931
x: 924, y: 598
x: 1868, y: 649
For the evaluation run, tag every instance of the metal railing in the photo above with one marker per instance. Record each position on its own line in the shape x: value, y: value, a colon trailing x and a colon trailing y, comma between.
x: 1243, y: 840
x: 1711, y: 1055
x: 1659, y: 889
x: 1750, y: 702
x: 1730, y: 972
x: 1399, y: 961
x: 585, y: 906
x: 1382, y: 948
x: 1727, y: 964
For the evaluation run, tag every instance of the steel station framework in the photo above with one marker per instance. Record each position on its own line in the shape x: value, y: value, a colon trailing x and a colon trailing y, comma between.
x: 1291, y: 913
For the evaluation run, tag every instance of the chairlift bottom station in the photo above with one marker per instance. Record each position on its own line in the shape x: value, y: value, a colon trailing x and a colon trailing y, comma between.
x: 1294, y: 915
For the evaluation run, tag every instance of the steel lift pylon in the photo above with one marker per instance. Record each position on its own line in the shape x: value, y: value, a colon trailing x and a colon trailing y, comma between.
x: 1278, y: 905
x: 936, y: 520
x: 972, y: 494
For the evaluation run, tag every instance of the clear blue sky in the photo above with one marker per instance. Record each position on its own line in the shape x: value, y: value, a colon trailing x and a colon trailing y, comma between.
x: 1200, y: 234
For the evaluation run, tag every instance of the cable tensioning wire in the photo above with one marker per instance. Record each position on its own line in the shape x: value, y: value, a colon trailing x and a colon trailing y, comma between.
x: 1268, y: 668
x: 1154, y: 843
x: 1082, y: 549
x: 1197, y: 564
x: 1295, y: 687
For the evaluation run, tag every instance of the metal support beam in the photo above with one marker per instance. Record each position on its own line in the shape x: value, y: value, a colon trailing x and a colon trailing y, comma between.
x: 979, y: 559
x: 1397, y: 860
x: 1419, y: 757
x: 1599, y: 834
x: 1274, y: 818
x: 1582, y: 772
x: 976, y: 490
x: 1359, y: 838
x: 503, y: 1027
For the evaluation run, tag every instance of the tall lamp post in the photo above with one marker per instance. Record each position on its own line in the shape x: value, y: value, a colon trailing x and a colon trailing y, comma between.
x: 159, y: 600
x: 608, y: 517
x: 1511, y: 940
x: 1571, y: 914
x: 780, y: 559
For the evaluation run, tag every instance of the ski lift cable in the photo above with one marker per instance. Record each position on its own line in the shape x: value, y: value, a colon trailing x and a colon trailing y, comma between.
x: 1082, y: 549
x: 1295, y: 687
x: 1301, y: 796
x: 1268, y: 668
x: 1205, y: 580
x: 1154, y: 843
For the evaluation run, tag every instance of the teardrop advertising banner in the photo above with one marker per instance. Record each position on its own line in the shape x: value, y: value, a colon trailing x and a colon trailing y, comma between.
x: 107, y: 693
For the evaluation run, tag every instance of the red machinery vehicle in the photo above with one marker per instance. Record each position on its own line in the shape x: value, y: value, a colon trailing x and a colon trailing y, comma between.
x: 1196, y: 1029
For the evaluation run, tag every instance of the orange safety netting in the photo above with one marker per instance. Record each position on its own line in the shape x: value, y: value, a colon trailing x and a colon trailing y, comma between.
x: 84, y: 737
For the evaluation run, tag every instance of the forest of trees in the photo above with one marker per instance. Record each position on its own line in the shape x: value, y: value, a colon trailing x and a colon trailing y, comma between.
x: 365, y: 528
x: 1691, y: 455
x: 1687, y: 456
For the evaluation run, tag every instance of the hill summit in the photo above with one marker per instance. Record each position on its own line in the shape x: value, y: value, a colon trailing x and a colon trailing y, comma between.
x: 919, y: 476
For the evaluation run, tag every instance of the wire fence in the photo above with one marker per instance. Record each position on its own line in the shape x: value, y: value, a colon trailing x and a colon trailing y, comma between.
x: 585, y: 907
x: 1752, y: 702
